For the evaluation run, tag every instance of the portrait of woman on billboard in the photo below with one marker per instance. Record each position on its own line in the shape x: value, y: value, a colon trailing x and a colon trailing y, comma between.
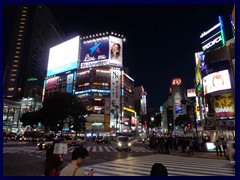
x: 115, y: 51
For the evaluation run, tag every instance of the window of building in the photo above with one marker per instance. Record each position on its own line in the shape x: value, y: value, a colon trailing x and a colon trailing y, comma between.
x: 15, y: 65
x: 17, y: 47
x: 13, y: 75
x: 10, y: 89
x: 14, y: 70
x: 16, y: 56
x: 12, y: 80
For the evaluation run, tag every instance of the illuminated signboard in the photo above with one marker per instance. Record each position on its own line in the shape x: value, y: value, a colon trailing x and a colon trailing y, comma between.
x: 92, y: 90
x: 224, y: 105
x: 63, y: 57
x: 214, y: 37
x: 101, y: 51
x: 191, y: 93
x: 115, y: 95
x: 32, y: 79
x: 94, y: 52
x: 176, y: 81
x: 115, y: 51
x: 178, y: 107
x: 216, y: 81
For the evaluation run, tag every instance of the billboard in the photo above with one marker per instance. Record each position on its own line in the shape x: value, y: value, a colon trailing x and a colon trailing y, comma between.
x: 224, y: 105
x: 63, y: 57
x: 214, y: 37
x: 101, y: 51
x: 115, y: 96
x: 216, y: 81
x: 94, y: 53
x: 51, y: 83
x: 115, y: 52
x: 191, y: 93
x: 178, y: 107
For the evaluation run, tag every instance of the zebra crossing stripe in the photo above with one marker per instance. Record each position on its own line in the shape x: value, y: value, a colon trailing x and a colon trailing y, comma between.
x: 88, y: 148
x: 113, y: 149
x: 100, y: 148
x: 94, y: 149
x: 176, y: 165
x: 107, y: 149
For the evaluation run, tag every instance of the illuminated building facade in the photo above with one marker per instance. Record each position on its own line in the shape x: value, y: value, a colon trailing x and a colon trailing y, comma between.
x: 215, y: 84
x: 35, y: 31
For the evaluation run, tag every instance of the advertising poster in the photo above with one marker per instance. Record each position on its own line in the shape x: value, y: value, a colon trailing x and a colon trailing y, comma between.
x: 94, y: 53
x: 224, y: 105
x: 51, y: 83
x: 115, y: 51
x: 216, y: 81
x: 115, y: 96
x: 178, y: 108
x: 63, y: 57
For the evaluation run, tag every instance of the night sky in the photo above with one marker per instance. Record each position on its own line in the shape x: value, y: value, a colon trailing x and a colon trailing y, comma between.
x: 160, y: 39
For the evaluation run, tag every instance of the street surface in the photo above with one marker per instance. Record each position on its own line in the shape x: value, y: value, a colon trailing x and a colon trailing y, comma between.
x: 24, y: 159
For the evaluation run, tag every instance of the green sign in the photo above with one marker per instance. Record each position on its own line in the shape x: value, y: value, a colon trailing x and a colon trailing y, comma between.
x: 32, y: 79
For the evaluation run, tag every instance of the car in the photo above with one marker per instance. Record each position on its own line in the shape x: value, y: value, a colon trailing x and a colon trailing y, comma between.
x: 99, y: 140
x: 44, y: 144
x: 123, y: 143
x: 79, y: 141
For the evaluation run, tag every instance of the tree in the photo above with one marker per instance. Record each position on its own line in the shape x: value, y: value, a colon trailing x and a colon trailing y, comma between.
x: 182, y: 120
x: 30, y: 118
x: 60, y: 106
x: 77, y: 119
x: 56, y: 109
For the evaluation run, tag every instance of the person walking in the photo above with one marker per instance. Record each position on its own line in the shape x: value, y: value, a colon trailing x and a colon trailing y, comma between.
x: 52, y: 167
x: 79, y: 155
x: 217, y: 144
x: 158, y: 169
x: 224, y: 146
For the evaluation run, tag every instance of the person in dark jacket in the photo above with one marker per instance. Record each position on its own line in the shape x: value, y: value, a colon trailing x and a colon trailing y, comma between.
x: 158, y: 169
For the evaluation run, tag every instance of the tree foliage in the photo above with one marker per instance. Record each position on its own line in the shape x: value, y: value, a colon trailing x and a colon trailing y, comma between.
x: 182, y: 120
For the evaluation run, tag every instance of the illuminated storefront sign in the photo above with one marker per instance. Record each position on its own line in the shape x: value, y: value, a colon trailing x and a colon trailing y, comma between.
x: 214, y: 37
x: 93, y: 90
x: 191, y: 93
x: 176, y: 81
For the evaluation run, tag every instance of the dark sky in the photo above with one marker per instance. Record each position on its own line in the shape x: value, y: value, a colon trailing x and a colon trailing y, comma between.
x: 160, y: 39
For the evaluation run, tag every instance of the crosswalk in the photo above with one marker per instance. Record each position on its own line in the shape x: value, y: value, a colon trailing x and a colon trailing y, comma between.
x: 176, y: 165
x: 92, y: 149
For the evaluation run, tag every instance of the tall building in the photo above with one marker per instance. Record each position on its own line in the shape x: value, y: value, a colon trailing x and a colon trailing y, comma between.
x: 91, y: 68
x: 35, y: 31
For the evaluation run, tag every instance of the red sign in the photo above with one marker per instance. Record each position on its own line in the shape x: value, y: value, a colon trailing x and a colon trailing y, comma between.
x: 176, y: 81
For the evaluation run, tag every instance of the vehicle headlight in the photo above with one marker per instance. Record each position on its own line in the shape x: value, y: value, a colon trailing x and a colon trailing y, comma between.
x: 129, y: 144
x: 43, y: 144
x: 119, y: 144
x: 38, y: 144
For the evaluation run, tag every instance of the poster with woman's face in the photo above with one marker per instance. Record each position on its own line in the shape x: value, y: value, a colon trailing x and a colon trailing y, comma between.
x: 216, y: 81
x: 224, y: 105
x: 115, y: 51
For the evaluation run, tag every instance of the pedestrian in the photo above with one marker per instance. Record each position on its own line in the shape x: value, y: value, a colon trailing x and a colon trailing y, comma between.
x: 217, y: 144
x: 158, y: 169
x: 79, y: 155
x: 224, y: 146
x: 52, y: 167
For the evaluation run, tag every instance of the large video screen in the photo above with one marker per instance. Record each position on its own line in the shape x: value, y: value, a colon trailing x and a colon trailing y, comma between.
x: 63, y: 57
x: 115, y: 51
x: 224, y: 105
x: 216, y: 81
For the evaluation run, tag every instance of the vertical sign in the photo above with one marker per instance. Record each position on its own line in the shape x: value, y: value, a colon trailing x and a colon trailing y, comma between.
x: 115, y: 96
x: 69, y: 83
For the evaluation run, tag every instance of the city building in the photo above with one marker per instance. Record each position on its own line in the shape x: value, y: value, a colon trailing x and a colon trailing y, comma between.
x: 91, y: 68
x: 215, y: 82
x: 35, y: 31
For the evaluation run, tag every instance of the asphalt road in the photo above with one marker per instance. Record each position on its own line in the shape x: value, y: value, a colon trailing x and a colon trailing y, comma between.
x: 24, y: 159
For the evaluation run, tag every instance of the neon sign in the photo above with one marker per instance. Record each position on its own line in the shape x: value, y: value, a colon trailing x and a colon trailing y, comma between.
x: 176, y: 81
